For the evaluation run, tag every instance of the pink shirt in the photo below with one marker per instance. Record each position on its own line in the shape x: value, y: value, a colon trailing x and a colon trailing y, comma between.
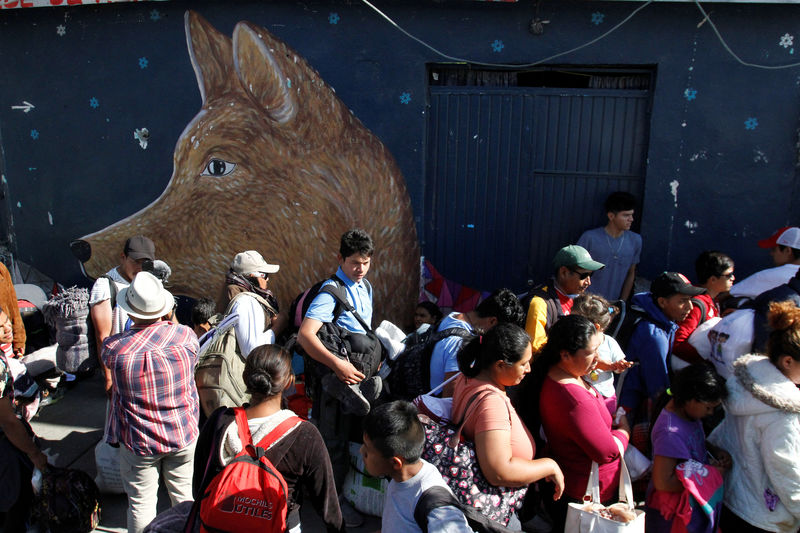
x: 491, y: 412
x: 578, y: 429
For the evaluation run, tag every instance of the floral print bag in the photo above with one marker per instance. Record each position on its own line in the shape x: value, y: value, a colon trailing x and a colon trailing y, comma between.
x: 456, y: 460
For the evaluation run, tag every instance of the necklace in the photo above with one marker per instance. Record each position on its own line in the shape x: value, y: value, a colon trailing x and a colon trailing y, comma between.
x: 621, y: 242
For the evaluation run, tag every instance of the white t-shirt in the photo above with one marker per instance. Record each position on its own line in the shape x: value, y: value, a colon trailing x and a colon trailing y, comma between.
x: 401, y: 499
x: 101, y: 292
x: 249, y: 327
x: 608, y: 351
x: 764, y: 280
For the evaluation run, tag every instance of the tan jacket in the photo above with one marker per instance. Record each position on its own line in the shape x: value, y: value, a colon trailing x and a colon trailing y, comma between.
x: 8, y: 301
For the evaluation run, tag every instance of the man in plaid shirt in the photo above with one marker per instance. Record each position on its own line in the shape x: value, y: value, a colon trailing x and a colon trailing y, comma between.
x: 154, y: 403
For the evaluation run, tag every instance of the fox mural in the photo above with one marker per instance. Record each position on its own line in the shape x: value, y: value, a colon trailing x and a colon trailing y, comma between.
x: 274, y: 162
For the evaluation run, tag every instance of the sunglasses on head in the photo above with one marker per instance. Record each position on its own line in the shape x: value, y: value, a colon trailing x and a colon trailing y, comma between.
x: 581, y: 275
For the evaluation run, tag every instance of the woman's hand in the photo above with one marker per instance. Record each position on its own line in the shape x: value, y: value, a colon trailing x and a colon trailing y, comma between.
x: 623, y: 425
x: 617, y: 366
x: 557, y: 478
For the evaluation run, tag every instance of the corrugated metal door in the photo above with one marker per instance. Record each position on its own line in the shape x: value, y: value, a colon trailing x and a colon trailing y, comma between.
x: 513, y: 174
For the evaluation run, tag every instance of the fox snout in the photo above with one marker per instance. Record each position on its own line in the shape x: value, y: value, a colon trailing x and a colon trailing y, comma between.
x: 81, y: 249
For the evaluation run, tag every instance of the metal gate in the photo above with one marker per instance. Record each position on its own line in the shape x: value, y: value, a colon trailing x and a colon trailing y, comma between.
x: 513, y: 174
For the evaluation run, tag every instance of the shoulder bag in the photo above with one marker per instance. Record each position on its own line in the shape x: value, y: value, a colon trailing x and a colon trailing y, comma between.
x: 456, y: 460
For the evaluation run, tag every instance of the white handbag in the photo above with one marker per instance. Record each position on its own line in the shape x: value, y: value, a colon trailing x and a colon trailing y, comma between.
x: 580, y: 520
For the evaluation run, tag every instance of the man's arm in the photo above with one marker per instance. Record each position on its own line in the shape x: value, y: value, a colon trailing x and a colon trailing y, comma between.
x: 307, y: 337
x: 101, y: 319
x: 536, y: 322
x: 18, y: 436
x: 627, y: 285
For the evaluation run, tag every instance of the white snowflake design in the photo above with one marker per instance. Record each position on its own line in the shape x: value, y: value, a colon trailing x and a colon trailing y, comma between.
x: 61, y: 30
x: 787, y: 40
x: 694, y: 469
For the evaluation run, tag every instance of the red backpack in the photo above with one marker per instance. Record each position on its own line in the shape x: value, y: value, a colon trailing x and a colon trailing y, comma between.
x: 250, y: 494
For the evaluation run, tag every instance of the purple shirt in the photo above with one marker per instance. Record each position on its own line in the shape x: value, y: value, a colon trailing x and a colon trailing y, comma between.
x: 679, y: 439
x: 154, y: 404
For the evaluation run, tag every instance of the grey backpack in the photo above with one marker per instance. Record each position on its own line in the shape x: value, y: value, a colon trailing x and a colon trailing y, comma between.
x: 220, y: 362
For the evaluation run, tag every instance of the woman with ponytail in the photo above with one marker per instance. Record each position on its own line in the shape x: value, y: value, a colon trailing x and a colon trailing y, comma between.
x: 505, y: 448
x: 299, y: 455
x: 761, y: 430
x: 576, y: 423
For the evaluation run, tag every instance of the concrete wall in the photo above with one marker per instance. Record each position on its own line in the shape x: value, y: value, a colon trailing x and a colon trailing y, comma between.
x: 723, y: 139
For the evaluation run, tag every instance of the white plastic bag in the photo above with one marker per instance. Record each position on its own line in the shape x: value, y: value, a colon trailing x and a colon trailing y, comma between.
x: 730, y: 339
x: 700, y: 341
x: 364, y: 492
x: 106, y: 459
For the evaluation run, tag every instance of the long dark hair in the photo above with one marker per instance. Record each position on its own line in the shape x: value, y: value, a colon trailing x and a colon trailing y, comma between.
x: 570, y: 333
x: 505, y: 342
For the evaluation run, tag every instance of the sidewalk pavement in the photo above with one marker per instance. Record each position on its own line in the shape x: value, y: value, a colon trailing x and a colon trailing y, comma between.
x: 69, y: 430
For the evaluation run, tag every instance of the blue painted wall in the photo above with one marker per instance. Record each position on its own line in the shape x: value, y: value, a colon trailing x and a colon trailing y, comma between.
x: 726, y: 133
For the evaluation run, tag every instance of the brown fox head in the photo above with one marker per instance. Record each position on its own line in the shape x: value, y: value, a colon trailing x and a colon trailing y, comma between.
x: 274, y: 162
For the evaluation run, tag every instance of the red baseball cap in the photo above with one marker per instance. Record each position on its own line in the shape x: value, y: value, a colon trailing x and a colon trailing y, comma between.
x: 772, y: 242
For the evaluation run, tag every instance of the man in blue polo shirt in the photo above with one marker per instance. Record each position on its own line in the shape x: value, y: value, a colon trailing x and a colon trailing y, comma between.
x: 346, y: 390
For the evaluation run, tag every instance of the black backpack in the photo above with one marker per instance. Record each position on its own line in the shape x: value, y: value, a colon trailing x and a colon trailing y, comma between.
x: 411, y: 371
x: 545, y: 292
x: 623, y: 329
x: 364, y: 351
x: 68, y: 502
x: 437, y: 496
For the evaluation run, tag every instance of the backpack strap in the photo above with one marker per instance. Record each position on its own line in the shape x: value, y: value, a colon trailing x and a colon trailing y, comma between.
x: 438, y: 496
x: 258, y: 298
x: 430, y: 499
x: 469, y: 408
x: 244, y: 429
x: 339, y: 295
x: 279, y: 431
x: 697, y: 302
x: 450, y: 332
x: 553, y: 309
x: 112, y: 288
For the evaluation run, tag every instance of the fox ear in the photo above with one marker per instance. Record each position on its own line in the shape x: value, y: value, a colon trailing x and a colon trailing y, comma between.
x: 261, y: 75
x: 210, y: 52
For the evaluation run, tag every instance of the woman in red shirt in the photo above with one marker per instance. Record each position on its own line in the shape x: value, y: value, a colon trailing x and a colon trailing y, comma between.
x: 576, y: 422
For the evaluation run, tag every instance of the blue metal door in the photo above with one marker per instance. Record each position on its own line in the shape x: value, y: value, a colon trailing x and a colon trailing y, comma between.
x: 513, y: 174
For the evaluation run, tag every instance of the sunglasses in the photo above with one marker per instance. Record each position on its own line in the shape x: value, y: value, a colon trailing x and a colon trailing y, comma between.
x: 582, y: 275
x: 262, y: 275
x: 729, y: 276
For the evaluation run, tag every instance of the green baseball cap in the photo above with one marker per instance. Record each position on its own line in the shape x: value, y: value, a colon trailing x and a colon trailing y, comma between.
x: 575, y: 256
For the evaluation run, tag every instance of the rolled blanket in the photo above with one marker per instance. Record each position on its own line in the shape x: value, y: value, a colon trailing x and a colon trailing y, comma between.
x: 68, y: 313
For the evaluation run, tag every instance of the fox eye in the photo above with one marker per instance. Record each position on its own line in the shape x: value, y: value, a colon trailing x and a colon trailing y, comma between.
x: 218, y: 168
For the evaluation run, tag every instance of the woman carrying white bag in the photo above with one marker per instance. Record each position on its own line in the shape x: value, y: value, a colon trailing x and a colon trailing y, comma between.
x: 575, y: 419
x: 594, y: 517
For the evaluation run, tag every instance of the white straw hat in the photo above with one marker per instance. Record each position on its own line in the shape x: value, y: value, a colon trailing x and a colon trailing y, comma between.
x: 146, y: 297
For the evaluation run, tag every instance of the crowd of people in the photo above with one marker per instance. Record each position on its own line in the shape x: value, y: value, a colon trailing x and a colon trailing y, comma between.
x: 574, y: 374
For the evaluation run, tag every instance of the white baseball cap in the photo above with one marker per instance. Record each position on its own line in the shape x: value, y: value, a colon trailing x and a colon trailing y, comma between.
x: 251, y: 261
x: 790, y: 238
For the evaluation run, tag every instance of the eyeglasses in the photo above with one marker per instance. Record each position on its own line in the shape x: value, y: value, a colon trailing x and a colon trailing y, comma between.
x: 729, y: 275
x: 582, y: 275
